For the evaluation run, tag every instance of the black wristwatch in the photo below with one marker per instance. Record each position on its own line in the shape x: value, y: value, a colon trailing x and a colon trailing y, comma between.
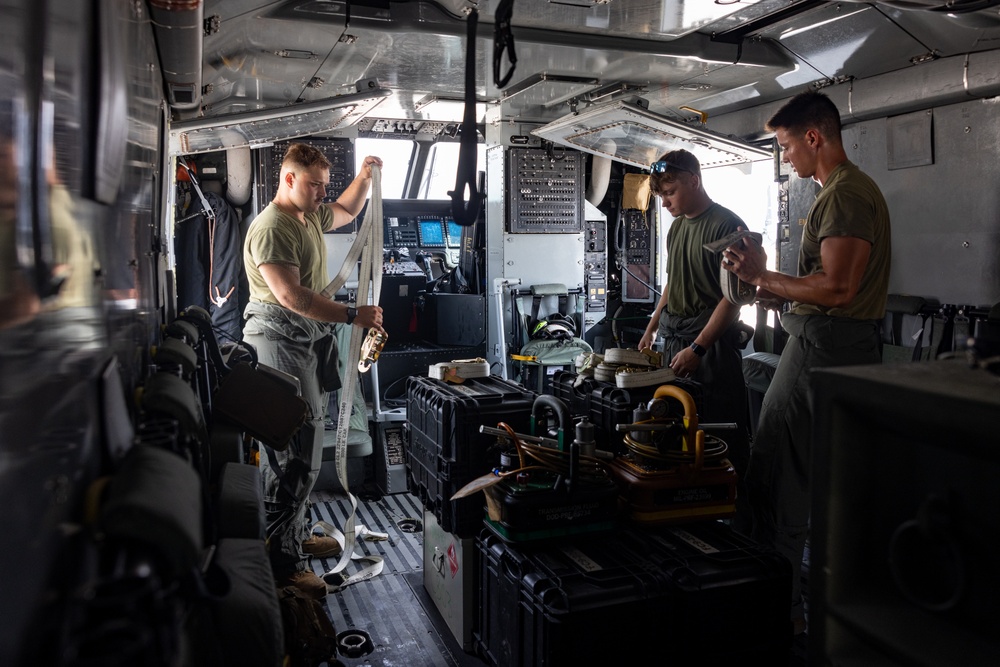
x: 351, y: 314
x: 698, y: 349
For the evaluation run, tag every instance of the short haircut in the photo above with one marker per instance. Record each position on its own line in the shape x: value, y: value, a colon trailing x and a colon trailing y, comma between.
x: 304, y: 156
x: 679, y: 162
x: 805, y: 111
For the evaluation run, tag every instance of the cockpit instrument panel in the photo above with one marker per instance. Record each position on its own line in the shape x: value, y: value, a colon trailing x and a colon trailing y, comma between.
x: 454, y: 235
x: 431, y: 232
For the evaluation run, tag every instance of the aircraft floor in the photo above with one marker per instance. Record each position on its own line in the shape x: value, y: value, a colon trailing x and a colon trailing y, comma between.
x: 393, y: 608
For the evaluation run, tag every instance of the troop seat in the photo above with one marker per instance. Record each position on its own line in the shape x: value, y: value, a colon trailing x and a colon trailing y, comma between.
x: 758, y: 371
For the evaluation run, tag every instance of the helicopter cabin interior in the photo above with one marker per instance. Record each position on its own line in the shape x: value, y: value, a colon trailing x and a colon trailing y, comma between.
x: 512, y: 233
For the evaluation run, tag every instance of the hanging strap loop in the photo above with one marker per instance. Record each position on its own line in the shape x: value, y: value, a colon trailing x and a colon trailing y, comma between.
x: 465, y: 214
x: 503, y: 40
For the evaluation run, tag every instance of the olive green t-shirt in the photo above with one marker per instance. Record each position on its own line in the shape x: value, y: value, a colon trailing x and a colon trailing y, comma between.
x: 693, y: 272
x: 275, y: 237
x: 849, y: 204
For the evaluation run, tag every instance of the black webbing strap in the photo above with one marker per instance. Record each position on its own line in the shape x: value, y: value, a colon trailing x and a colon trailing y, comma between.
x: 536, y: 303
x: 918, y: 344
x: 206, y: 207
x: 760, y: 342
x: 463, y: 213
x: 960, y: 330
x: 503, y: 40
x: 940, y: 328
x: 760, y: 330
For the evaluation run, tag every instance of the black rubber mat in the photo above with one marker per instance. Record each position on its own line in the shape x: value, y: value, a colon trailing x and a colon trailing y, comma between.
x: 392, y: 608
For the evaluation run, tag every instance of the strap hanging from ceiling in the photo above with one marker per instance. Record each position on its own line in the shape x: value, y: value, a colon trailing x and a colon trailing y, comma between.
x: 465, y: 214
x: 503, y: 40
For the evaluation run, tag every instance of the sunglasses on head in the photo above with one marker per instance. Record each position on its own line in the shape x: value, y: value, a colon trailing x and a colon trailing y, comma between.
x: 661, y: 166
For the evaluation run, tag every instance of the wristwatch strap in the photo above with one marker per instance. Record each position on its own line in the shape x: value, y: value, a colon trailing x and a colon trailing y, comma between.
x: 698, y: 349
x: 351, y: 314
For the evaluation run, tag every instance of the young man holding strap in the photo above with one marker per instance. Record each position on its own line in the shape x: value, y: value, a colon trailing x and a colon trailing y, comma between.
x: 287, y: 323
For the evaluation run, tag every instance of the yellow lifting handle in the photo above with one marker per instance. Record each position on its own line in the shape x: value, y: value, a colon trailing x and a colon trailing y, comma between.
x: 701, y: 114
x: 695, y: 437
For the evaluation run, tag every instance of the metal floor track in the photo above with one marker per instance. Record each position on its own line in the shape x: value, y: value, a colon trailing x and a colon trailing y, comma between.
x: 392, y: 608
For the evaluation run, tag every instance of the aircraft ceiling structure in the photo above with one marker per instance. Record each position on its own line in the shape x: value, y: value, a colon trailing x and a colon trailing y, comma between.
x: 714, y: 57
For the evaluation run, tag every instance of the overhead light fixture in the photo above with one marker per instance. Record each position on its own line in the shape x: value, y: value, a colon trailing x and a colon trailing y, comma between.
x: 630, y: 133
x: 256, y: 128
x: 613, y: 90
x: 686, y: 16
x: 451, y: 109
x: 548, y: 90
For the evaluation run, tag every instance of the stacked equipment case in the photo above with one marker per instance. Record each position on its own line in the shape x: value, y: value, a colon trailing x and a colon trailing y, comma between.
x: 695, y: 594
x: 446, y: 450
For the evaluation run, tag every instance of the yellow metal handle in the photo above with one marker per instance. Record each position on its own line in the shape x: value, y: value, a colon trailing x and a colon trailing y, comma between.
x: 695, y: 438
x: 703, y: 115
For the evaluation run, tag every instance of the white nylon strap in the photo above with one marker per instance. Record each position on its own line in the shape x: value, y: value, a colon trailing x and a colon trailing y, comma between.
x: 371, y: 565
x: 365, y: 234
x: 369, y: 289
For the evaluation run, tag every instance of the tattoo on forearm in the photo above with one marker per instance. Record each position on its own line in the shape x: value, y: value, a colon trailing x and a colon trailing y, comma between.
x: 303, y: 302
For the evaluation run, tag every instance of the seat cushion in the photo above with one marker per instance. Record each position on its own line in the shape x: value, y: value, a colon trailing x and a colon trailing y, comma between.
x: 758, y: 370
x: 247, y: 619
x: 239, y: 504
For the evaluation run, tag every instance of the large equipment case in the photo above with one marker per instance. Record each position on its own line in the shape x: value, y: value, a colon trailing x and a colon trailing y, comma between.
x: 700, y: 594
x: 445, y: 449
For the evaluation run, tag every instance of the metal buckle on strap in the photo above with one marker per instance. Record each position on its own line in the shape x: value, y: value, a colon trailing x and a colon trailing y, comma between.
x: 371, y: 348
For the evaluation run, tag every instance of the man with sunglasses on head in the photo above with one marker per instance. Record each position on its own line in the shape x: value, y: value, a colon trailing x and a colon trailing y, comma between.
x: 837, y: 304
x: 701, y: 339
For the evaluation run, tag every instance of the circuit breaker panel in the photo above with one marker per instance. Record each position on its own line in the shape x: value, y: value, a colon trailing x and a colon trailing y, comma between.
x: 638, y: 255
x: 340, y: 153
x: 545, y: 191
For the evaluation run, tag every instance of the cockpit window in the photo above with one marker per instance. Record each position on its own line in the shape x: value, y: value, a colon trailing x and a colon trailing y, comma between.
x: 751, y: 191
x: 396, y: 156
x: 442, y: 167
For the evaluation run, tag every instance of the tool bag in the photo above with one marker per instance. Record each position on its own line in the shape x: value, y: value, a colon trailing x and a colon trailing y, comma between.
x: 310, y: 638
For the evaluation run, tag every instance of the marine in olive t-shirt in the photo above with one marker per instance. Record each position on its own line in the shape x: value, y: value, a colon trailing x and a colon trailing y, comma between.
x: 692, y: 272
x: 275, y: 237
x: 849, y: 204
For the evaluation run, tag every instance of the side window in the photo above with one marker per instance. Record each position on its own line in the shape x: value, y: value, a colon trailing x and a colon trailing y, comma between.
x: 396, y: 156
x: 750, y: 192
x: 441, y: 168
